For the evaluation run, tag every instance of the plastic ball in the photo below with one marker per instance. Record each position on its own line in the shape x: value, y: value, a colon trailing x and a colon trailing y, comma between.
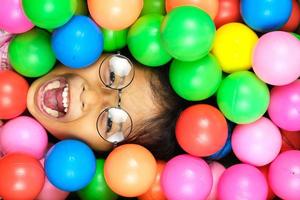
x: 294, y: 19
x: 79, y: 43
x: 30, y: 53
x: 217, y: 170
x: 290, y: 140
x: 276, y: 58
x: 284, y: 175
x: 186, y: 177
x: 251, y: 143
x: 12, y: 17
x: 242, y: 97
x: 242, y: 181
x: 114, y: 40
x: 77, y: 165
x: 49, y: 191
x: 81, y: 8
x: 115, y: 15
x: 227, y: 148
x: 181, y: 40
x: 97, y: 187
x: 49, y: 14
x: 124, y: 177
x: 155, y: 192
x: 296, y: 35
x: 144, y: 41
x: 22, y: 176
x: 13, y: 94
x: 190, y: 79
x: 233, y: 47
x: 266, y: 15
x: 265, y: 171
x: 201, y: 130
x: 24, y: 135
x: 284, y: 106
x: 153, y: 7
x: 210, y: 7
x: 229, y: 11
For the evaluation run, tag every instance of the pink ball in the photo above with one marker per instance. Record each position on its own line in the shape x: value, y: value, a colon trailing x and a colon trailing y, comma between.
x: 186, y: 177
x: 12, y: 17
x: 25, y: 135
x: 50, y: 192
x: 217, y: 170
x: 284, y: 108
x: 276, y: 58
x: 257, y: 143
x: 1, y: 154
x: 284, y: 175
x: 242, y: 181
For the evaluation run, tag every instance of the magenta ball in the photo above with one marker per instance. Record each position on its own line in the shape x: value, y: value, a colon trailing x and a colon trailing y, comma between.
x: 276, y: 58
x: 217, y: 170
x: 24, y: 135
x: 186, y: 177
x: 257, y: 143
x: 50, y: 192
x: 242, y: 181
x: 284, y: 108
x: 284, y: 175
x: 12, y: 17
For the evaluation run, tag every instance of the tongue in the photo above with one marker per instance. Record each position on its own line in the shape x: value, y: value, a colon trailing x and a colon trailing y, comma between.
x: 53, y: 99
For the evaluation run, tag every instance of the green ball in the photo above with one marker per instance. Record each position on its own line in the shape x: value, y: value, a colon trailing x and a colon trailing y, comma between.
x: 97, y: 188
x: 242, y: 97
x: 187, y: 33
x: 296, y: 35
x: 154, y: 7
x: 30, y: 53
x: 81, y: 8
x: 144, y: 41
x: 49, y: 14
x: 196, y: 80
x: 114, y: 39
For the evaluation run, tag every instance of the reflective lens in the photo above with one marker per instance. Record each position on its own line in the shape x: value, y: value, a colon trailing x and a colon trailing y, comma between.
x: 114, y: 124
x: 116, y: 71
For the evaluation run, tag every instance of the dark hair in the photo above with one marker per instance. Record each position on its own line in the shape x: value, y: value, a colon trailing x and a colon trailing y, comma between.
x: 157, y: 134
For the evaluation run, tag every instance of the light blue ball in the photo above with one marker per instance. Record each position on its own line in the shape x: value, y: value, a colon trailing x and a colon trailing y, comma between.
x: 266, y: 15
x: 70, y: 165
x: 78, y: 43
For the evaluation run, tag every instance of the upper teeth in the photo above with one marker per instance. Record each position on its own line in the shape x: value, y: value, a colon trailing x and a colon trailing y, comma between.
x: 65, y: 95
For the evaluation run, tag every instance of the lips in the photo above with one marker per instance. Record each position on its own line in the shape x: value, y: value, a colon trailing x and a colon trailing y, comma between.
x: 53, y: 97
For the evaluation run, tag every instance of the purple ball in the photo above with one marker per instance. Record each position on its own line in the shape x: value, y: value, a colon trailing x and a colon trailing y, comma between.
x: 242, y: 181
x: 186, y: 177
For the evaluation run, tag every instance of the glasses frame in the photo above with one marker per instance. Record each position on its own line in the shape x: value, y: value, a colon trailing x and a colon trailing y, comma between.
x: 119, y: 90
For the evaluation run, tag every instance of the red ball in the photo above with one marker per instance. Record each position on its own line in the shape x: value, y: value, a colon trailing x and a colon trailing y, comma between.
x: 229, y: 11
x: 13, y: 94
x: 201, y: 130
x: 294, y: 19
x: 22, y: 176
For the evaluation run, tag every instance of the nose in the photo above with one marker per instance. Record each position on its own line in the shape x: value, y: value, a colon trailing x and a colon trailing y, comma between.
x: 92, y: 97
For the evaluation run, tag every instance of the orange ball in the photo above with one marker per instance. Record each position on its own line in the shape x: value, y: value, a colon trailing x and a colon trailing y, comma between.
x: 116, y: 14
x: 290, y: 140
x: 130, y: 170
x: 155, y: 192
x: 294, y: 19
x: 209, y: 6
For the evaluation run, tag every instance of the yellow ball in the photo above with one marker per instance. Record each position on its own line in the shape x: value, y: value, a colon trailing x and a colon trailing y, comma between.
x: 233, y: 47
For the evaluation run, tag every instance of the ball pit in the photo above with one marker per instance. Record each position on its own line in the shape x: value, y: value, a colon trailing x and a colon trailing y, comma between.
x: 239, y: 88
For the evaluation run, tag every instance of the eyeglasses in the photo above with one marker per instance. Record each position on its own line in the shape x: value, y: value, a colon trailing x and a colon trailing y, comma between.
x: 114, y: 124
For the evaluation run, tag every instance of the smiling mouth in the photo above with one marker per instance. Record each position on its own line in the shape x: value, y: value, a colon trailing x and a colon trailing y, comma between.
x: 54, y: 97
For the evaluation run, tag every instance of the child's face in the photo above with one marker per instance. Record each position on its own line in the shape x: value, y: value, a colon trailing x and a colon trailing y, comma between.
x: 87, y: 98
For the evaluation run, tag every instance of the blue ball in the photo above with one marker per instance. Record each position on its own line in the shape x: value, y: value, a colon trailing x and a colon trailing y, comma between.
x: 266, y: 15
x: 227, y: 148
x: 78, y: 43
x: 70, y: 165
